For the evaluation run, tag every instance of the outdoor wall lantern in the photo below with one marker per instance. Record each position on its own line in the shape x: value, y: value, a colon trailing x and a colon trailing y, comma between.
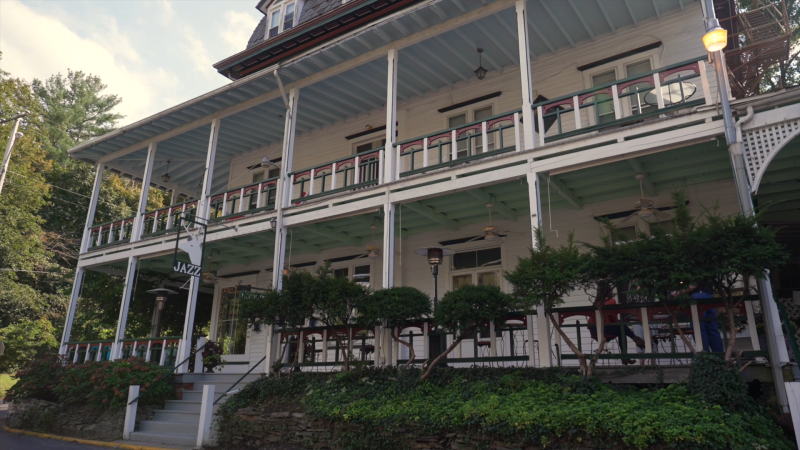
x: 435, y: 256
x: 166, y: 176
x: 716, y: 38
x: 273, y: 224
x: 161, y: 299
x: 480, y: 72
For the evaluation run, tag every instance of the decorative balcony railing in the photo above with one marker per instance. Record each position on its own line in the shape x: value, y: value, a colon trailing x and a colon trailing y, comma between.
x: 624, y: 101
x: 350, y: 172
x: 86, y: 351
x: 160, y: 350
x: 619, y: 103
x: 247, y: 199
x: 515, y: 341
x: 473, y: 140
x: 111, y: 232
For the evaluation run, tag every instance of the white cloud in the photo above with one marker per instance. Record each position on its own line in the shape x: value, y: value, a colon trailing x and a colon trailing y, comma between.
x: 36, y: 46
x: 168, y: 12
x: 197, y: 51
x: 237, y: 29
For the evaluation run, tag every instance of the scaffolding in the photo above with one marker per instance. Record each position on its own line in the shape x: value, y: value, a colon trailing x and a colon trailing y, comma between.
x: 759, y: 37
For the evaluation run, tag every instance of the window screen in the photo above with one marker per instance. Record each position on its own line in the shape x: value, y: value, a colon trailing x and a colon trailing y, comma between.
x: 274, y: 23
x: 288, y: 17
x: 478, y: 258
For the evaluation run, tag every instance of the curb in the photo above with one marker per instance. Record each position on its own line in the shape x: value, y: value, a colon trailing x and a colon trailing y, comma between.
x: 81, y: 441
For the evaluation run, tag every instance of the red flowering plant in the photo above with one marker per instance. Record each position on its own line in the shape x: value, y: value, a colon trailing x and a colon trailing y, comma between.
x: 38, y: 378
x: 102, y: 384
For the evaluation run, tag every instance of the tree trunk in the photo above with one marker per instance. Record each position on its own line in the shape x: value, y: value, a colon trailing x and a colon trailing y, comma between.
x: 411, y: 354
x: 685, y: 339
x: 446, y: 352
x: 729, y: 304
x: 581, y: 357
x: 601, y: 341
x: 345, y: 359
x: 296, y: 355
x: 280, y: 358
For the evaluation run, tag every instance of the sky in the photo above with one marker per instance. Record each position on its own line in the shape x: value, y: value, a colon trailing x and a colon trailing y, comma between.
x: 152, y: 53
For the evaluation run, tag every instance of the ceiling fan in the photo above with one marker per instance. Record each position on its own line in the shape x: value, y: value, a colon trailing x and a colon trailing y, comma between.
x: 492, y: 233
x: 645, y: 208
x: 372, y: 252
x: 209, y: 277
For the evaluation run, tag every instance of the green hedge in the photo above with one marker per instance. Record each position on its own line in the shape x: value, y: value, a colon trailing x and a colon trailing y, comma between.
x: 373, y: 408
x: 101, y: 384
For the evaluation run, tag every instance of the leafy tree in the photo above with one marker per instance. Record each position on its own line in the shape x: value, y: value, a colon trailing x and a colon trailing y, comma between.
x: 545, y: 277
x: 393, y: 308
x: 335, y: 301
x: 73, y: 110
x: 24, y: 341
x: 466, y: 309
x: 736, y: 250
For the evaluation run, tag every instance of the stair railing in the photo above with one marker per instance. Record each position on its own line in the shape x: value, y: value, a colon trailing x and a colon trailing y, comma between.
x: 228, y: 392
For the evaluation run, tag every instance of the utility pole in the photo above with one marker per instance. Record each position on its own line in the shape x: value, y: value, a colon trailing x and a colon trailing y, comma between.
x: 11, y: 139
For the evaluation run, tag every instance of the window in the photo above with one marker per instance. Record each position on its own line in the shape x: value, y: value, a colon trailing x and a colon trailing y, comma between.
x: 631, y: 103
x: 361, y: 273
x: 369, y: 146
x: 473, y: 145
x: 281, y: 17
x: 476, y: 267
x: 258, y: 177
x: 367, y: 172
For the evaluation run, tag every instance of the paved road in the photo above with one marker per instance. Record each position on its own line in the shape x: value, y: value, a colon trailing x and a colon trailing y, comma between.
x: 11, y: 441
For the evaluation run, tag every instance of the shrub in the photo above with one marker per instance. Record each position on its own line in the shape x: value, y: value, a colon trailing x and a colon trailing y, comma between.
x: 718, y: 383
x: 381, y: 408
x: 101, y: 384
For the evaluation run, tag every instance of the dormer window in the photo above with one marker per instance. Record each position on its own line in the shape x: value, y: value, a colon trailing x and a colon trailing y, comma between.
x: 282, y: 17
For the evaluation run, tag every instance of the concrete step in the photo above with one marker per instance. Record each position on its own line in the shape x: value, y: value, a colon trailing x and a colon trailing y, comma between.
x: 164, y: 438
x: 208, y: 378
x: 163, y: 415
x: 187, y: 406
x: 157, y: 426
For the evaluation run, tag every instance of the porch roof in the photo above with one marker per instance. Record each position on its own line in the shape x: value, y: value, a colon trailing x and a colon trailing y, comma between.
x: 252, y: 109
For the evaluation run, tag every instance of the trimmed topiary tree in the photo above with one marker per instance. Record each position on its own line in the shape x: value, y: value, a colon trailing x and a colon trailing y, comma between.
x: 393, y: 308
x: 466, y: 309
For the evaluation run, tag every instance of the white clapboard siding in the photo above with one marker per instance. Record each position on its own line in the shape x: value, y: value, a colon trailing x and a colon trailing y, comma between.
x: 553, y: 76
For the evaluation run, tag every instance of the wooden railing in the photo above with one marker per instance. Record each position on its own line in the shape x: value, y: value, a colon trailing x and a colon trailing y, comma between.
x: 515, y: 341
x: 623, y: 101
x: 350, y: 172
x: 497, y: 134
x: 111, y: 232
x: 167, y: 219
x: 87, y: 351
x: 246, y: 199
x: 160, y: 350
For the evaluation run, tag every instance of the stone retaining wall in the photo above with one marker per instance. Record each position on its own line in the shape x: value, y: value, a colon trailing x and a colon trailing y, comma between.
x: 295, y: 430
x: 80, y: 421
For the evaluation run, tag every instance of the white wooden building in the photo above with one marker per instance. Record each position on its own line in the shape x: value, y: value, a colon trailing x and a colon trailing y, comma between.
x: 356, y: 104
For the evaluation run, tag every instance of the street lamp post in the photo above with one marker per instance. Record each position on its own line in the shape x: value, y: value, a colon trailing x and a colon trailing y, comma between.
x: 161, y: 299
x: 435, y: 256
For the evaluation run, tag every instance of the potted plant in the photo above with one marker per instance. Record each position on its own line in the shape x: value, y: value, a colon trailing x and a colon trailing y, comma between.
x: 212, y: 357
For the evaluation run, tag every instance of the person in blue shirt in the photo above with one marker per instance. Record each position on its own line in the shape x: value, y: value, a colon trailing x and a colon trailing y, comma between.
x: 709, y: 328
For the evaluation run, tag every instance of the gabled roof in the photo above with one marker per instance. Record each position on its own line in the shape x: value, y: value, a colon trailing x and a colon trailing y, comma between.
x: 311, y: 10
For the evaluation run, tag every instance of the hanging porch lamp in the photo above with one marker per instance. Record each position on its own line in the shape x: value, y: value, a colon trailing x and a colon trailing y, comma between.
x: 480, y: 72
x: 716, y: 38
x: 166, y: 176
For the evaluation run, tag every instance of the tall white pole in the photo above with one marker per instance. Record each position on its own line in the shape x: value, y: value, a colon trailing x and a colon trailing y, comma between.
x: 389, y: 156
x: 283, y: 198
x: 7, y: 157
x: 138, y: 222
x: 98, y: 182
x: 127, y: 293
x: 203, y: 213
x: 525, y: 76
x: 542, y: 321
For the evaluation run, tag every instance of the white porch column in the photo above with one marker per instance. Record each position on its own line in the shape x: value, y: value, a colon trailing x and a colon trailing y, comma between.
x: 525, y: 75
x: 138, y: 221
x: 173, y: 198
x: 194, y: 283
x: 283, y: 198
x: 98, y: 181
x: 127, y: 293
x: 73, y: 303
x: 390, y: 153
x: 387, y: 279
x: 208, y: 177
x: 542, y: 323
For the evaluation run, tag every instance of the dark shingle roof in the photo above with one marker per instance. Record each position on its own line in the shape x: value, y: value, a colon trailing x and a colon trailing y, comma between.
x: 315, y: 8
x: 258, y: 33
x: 311, y: 10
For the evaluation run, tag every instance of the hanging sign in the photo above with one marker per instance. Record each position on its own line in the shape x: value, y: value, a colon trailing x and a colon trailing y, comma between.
x: 194, y: 234
x: 250, y: 295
